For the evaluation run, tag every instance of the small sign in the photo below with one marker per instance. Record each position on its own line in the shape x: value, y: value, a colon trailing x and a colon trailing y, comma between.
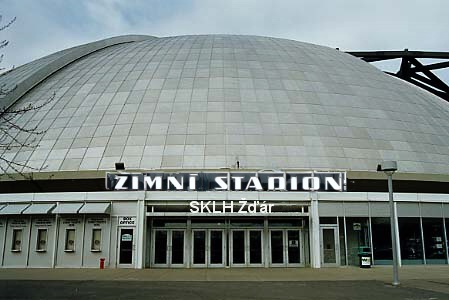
x: 293, y: 243
x: 127, y: 237
x: 43, y: 222
x: 357, y: 226
x: 127, y: 221
x: 18, y: 223
x: 366, y: 261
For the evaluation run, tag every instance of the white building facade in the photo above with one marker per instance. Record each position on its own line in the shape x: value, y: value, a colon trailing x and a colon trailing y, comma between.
x: 219, y: 104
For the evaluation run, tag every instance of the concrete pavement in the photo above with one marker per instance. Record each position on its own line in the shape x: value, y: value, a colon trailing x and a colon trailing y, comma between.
x: 379, y: 273
x: 417, y: 282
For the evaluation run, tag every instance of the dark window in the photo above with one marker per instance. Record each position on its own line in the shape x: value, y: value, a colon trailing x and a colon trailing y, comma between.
x: 96, y: 240
x: 70, y: 240
x: 434, y: 242
x: 41, y: 243
x: 16, y: 240
x: 410, y: 240
x: 381, y: 240
x: 357, y: 237
x: 238, y: 247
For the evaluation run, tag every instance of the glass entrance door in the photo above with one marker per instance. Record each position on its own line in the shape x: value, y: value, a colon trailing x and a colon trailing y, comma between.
x: 169, y: 248
x: 208, y: 248
x: 286, y: 247
x: 126, y: 247
x: 330, y: 249
x: 246, y: 247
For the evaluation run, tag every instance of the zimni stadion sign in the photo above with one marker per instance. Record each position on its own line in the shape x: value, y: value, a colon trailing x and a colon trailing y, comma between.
x: 233, y: 181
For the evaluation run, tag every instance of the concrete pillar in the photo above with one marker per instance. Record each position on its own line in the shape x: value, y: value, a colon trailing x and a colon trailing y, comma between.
x: 398, y: 242
x: 140, y: 245
x: 314, y: 232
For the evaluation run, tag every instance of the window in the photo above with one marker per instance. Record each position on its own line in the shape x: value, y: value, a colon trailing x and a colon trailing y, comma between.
x: 410, y: 240
x: 16, y: 240
x: 434, y: 242
x: 96, y: 240
x: 70, y: 240
x: 381, y: 240
x: 357, y: 237
x: 41, y: 243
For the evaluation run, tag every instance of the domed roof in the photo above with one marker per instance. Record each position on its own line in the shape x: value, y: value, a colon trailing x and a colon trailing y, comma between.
x: 204, y: 102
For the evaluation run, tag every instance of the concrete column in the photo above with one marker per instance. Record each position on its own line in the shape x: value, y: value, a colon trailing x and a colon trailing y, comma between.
x: 140, y: 245
x: 398, y: 242
x: 314, y: 232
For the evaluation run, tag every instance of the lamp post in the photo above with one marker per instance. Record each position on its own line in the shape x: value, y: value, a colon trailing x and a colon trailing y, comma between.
x: 389, y: 167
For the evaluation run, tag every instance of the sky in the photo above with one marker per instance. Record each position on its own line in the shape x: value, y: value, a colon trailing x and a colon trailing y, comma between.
x: 45, y: 26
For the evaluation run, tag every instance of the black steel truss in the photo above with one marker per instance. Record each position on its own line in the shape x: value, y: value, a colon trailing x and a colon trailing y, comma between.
x: 412, y: 70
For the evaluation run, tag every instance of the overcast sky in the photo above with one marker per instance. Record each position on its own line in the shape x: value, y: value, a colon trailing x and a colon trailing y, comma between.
x: 45, y: 26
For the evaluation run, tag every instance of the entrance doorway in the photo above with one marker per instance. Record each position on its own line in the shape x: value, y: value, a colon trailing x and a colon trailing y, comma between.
x: 208, y: 248
x: 126, y: 248
x: 168, y: 248
x: 246, y: 248
x: 286, y: 248
x: 329, y: 244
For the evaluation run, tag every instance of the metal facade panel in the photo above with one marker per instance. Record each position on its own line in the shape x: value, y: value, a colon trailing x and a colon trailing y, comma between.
x: 380, y: 209
x: 39, y: 208
x: 356, y: 209
x: 96, y: 208
x: 431, y: 210
x: 67, y: 208
x: 13, y: 209
x: 446, y: 211
x: 330, y: 209
x: 407, y: 209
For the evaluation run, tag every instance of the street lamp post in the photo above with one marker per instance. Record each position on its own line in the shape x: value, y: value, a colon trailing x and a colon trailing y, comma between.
x: 389, y: 167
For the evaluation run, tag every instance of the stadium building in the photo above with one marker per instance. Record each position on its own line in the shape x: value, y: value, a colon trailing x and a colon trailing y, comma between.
x: 212, y: 121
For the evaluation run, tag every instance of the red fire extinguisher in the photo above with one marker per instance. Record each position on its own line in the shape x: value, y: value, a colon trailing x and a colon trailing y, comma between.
x: 102, y: 263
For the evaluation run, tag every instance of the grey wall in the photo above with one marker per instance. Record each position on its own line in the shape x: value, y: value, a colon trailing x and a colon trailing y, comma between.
x: 2, y: 238
x: 42, y: 259
x: 17, y: 259
x: 70, y: 259
x: 92, y: 259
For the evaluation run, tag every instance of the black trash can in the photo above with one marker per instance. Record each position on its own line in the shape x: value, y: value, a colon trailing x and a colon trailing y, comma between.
x: 364, y: 257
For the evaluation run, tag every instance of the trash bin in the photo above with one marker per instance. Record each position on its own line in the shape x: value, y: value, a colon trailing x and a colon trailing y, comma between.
x: 364, y: 257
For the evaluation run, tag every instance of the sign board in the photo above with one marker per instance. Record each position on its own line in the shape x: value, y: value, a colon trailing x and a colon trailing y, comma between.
x: 127, y: 221
x: 366, y: 260
x: 357, y: 226
x: 127, y: 237
x: 234, y: 181
x: 293, y: 243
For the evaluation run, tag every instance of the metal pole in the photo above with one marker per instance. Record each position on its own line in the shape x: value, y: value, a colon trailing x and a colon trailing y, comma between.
x: 393, y: 231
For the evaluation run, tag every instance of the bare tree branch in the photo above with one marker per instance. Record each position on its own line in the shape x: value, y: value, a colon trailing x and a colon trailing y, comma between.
x: 16, y: 134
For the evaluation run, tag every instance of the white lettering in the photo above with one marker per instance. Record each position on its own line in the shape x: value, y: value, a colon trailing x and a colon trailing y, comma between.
x: 221, y: 182
x: 281, y: 183
x: 231, y: 206
x: 293, y: 183
x: 194, y: 207
x: 311, y: 187
x: 192, y: 182
x: 205, y: 206
x: 334, y: 184
x: 243, y: 203
x: 237, y: 183
x: 254, y: 183
x: 135, y: 182
x: 149, y: 182
x: 171, y: 180
x: 120, y: 183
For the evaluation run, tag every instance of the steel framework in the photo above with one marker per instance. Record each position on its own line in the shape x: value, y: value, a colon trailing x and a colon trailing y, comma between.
x: 412, y: 70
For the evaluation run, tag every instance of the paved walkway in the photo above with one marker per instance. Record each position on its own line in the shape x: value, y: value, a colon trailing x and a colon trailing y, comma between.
x: 430, y: 278
x: 380, y: 273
